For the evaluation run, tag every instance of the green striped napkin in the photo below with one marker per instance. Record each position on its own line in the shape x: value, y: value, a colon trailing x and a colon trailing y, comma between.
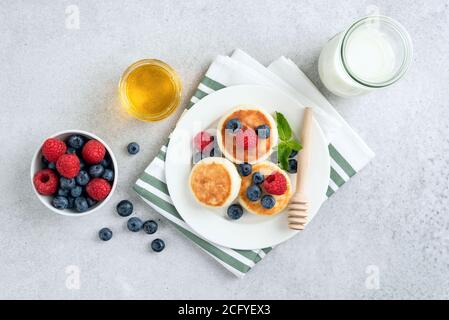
x: 347, y: 151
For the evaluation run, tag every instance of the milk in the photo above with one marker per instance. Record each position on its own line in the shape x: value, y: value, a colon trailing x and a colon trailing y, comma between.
x: 367, y: 56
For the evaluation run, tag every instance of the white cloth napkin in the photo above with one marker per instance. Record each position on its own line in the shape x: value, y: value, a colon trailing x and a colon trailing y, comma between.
x: 347, y: 151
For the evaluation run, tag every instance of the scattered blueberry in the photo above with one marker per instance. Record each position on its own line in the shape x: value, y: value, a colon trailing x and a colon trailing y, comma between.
x: 133, y: 148
x: 91, y: 202
x: 76, y: 192
x: 197, y: 156
x: 293, y: 154
x: 67, y: 184
x: 263, y: 131
x: 253, y: 193
x: 60, y: 202
x: 258, y: 178
x: 235, y: 211
x: 81, y: 204
x: 71, y: 202
x: 105, y: 234
x: 71, y: 150
x: 124, y: 208
x: 134, y: 224
x: 108, y: 175
x: 63, y: 192
x: 96, y: 170
x: 244, y: 169
x: 292, y: 166
x: 150, y: 226
x: 233, y: 124
x: 268, y: 201
x: 75, y: 141
x: 51, y: 165
x: 157, y: 245
x: 82, y: 178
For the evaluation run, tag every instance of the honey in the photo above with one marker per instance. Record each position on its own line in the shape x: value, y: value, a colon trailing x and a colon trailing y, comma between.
x: 150, y: 90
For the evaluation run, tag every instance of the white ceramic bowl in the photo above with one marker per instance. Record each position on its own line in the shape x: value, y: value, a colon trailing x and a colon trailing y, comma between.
x: 36, y: 165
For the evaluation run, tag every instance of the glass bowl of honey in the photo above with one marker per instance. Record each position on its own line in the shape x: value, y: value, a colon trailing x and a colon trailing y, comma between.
x: 150, y: 90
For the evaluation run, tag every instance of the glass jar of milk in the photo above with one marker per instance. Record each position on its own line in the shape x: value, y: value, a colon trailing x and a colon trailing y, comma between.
x: 373, y: 53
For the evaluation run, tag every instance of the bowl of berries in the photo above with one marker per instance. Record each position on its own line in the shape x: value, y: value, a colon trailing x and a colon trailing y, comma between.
x: 74, y: 173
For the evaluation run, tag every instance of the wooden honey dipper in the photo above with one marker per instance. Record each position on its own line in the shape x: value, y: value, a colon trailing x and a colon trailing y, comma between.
x: 299, y: 204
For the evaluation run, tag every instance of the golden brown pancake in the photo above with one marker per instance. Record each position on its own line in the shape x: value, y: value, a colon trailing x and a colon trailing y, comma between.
x: 266, y: 168
x: 214, y: 182
x: 250, y: 118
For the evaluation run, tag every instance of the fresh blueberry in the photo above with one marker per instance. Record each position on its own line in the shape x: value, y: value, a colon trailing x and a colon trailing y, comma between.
x: 293, y: 154
x: 150, y: 226
x: 75, y: 141
x: 263, y: 131
x: 124, y: 208
x: 258, y: 178
x: 60, y: 202
x: 133, y: 148
x: 71, y: 202
x: 82, y: 164
x: 244, y: 169
x: 134, y: 224
x: 105, y: 234
x: 96, y: 170
x: 157, y: 245
x: 63, y: 192
x: 108, y: 175
x: 253, y: 193
x: 292, y: 166
x: 106, y: 162
x: 71, y: 150
x: 51, y: 165
x: 44, y: 161
x: 233, y: 125
x: 91, y: 202
x: 268, y: 201
x: 81, y: 204
x: 82, y: 178
x: 197, y: 156
x: 66, y: 183
x: 76, y: 192
x: 235, y: 211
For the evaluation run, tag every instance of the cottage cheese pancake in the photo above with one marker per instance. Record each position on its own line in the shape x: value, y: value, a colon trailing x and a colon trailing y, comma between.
x: 214, y: 182
x: 247, y: 135
x: 266, y: 168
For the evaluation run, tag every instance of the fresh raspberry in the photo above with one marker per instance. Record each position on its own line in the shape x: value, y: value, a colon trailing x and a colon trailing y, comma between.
x: 68, y: 165
x: 275, y: 183
x: 46, y: 182
x: 93, y: 152
x: 98, y: 189
x: 53, y: 149
x: 246, y: 139
x: 202, y: 140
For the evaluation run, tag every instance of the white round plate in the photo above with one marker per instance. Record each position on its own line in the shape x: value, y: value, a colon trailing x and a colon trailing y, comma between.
x: 251, y: 231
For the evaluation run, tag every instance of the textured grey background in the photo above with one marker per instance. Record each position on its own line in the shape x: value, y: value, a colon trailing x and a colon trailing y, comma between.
x: 392, y: 215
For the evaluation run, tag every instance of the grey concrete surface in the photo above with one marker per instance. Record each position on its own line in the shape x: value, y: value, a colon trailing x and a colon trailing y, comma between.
x: 391, y: 218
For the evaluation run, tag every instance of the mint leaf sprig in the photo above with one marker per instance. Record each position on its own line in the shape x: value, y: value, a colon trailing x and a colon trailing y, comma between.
x: 287, y: 142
